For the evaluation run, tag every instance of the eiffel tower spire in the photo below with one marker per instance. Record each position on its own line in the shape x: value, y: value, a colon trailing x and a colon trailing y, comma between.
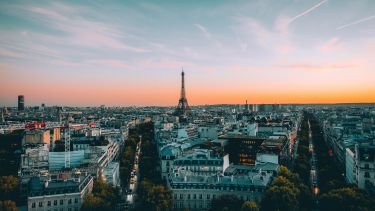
x: 183, y: 106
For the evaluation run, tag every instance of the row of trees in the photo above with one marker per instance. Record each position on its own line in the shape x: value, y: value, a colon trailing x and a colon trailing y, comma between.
x: 290, y: 191
x: 330, y: 174
x: 153, y: 194
x: 103, y: 197
x: 9, y: 191
x: 232, y: 202
x: 302, y: 164
x: 287, y: 192
x: 128, y: 156
x: 335, y: 193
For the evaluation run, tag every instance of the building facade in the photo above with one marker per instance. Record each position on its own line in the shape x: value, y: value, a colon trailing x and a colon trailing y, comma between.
x: 59, y: 194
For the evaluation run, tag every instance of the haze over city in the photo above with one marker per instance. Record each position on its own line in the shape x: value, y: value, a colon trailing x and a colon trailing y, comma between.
x: 131, y: 52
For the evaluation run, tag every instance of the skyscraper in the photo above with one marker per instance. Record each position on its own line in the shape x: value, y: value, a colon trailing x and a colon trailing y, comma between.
x: 183, y: 106
x: 21, y: 102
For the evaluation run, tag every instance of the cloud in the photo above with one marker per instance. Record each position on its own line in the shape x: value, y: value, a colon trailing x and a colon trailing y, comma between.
x: 111, y: 63
x: 356, y: 22
x: 9, y: 53
x: 319, y: 67
x: 251, y: 32
x: 330, y: 46
x: 306, y: 11
x: 81, y: 31
x: 204, y: 30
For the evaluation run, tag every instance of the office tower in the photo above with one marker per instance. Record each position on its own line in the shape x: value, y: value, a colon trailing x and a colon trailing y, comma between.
x: 21, y: 102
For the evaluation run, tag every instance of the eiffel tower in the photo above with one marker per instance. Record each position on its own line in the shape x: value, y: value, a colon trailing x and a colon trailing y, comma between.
x: 183, y: 106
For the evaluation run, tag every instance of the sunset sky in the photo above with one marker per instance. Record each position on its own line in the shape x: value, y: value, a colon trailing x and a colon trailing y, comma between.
x: 121, y: 53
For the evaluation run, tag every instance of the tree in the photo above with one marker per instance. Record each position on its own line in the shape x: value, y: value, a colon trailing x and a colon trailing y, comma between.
x: 305, y: 197
x: 249, y: 206
x: 93, y: 203
x: 159, y: 198
x: 346, y: 199
x: 226, y: 202
x: 103, y: 197
x: 282, y: 198
x: 8, y: 205
x: 8, y: 187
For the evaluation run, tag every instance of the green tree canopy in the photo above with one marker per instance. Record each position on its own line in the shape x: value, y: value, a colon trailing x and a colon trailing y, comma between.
x: 282, y: 198
x: 8, y: 205
x: 226, y: 202
x: 346, y: 199
x: 8, y: 187
x: 159, y: 198
x: 249, y: 206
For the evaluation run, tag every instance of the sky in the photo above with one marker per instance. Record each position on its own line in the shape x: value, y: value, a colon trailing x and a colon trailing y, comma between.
x: 124, y: 53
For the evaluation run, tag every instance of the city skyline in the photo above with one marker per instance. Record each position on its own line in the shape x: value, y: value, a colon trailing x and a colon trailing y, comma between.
x: 131, y: 53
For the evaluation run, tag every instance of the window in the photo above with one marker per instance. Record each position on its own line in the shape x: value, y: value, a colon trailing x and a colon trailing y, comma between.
x: 175, y: 196
x: 200, y: 196
x: 195, y: 196
x: 367, y: 174
x: 61, y: 202
x: 189, y: 196
x: 49, y: 203
x: 40, y: 204
x: 208, y: 196
x: 181, y: 196
x: 69, y: 209
x: 76, y: 200
x: 33, y: 205
x: 70, y: 201
x: 367, y: 166
x: 55, y: 202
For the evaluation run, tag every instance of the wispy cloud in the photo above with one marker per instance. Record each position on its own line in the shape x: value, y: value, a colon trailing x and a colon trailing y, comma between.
x: 250, y: 33
x: 9, y: 53
x: 356, y: 22
x: 306, y: 11
x: 204, y: 30
x: 111, y: 63
x: 319, y: 67
x: 80, y: 30
x: 330, y: 46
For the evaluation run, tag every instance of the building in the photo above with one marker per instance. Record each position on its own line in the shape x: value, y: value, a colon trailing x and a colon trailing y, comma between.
x: 112, y: 174
x: 2, y: 116
x: 35, y: 157
x: 58, y: 194
x: 201, y: 162
x: 57, y: 159
x: 365, y: 164
x: 38, y: 136
x: 350, y: 168
x: 242, y: 149
x: 195, y: 192
x: 21, y: 102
